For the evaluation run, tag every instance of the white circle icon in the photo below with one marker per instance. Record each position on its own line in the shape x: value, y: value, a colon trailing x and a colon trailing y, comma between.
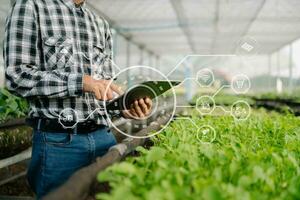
x: 205, y: 77
x: 68, y: 118
x: 240, y: 84
x: 205, y: 105
x: 206, y: 134
x: 160, y: 104
x: 240, y: 110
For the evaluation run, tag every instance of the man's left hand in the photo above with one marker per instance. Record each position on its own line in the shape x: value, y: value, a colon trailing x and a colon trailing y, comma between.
x: 139, y: 109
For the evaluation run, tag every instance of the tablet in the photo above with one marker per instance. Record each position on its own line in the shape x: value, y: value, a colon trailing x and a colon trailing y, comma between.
x: 150, y: 89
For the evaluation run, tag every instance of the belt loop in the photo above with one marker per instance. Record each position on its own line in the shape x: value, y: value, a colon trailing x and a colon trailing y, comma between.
x: 39, y: 125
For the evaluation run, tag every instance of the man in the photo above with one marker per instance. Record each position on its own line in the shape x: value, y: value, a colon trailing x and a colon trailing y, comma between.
x: 51, y: 50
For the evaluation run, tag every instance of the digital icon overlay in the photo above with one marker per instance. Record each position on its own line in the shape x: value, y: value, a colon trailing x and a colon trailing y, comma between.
x: 206, y: 134
x: 205, y: 105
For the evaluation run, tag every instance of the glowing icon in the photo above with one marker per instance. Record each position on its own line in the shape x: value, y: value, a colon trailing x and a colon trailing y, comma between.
x: 240, y: 84
x: 205, y: 77
x: 247, y: 47
x: 206, y: 134
x: 205, y: 105
x: 68, y: 118
x: 240, y: 110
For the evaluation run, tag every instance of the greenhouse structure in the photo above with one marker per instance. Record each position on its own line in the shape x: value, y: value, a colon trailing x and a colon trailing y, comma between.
x: 154, y: 100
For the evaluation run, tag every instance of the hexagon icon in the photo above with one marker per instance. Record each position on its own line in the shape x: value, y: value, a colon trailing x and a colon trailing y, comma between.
x: 205, y: 105
x: 240, y: 110
x: 240, y: 84
x: 68, y: 118
x: 247, y: 46
x: 206, y: 134
x: 205, y: 77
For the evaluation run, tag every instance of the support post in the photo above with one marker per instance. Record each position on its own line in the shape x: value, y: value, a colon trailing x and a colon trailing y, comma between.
x: 189, y: 89
x: 150, y: 63
x: 141, y: 59
x: 128, y: 52
x: 269, y: 65
x: 270, y: 70
x: 12, y: 2
x: 157, y: 63
x: 291, y: 68
x: 279, y: 84
x: 278, y: 64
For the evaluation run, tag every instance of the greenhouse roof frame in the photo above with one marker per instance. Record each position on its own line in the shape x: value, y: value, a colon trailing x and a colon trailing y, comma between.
x: 115, y: 26
x: 169, y: 27
x: 181, y: 20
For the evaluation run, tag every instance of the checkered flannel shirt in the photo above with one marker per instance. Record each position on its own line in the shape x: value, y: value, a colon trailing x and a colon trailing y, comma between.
x: 49, y: 45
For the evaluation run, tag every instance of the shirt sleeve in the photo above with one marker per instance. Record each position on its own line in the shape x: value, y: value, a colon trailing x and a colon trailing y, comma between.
x: 22, y: 56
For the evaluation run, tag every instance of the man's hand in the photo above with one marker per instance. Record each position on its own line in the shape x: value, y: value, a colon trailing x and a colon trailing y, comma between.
x: 139, y: 109
x: 98, y: 88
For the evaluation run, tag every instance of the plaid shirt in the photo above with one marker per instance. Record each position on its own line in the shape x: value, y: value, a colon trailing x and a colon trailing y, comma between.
x: 49, y: 45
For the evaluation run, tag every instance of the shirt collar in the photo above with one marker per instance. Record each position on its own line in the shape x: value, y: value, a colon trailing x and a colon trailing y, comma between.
x: 71, y: 4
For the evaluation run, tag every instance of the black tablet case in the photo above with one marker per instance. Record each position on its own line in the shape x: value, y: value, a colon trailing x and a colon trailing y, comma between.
x: 142, y: 90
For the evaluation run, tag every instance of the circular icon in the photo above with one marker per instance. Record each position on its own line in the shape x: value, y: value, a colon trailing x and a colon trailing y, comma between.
x: 247, y: 46
x: 205, y: 105
x: 240, y: 110
x: 205, y: 77
x: 240, y: 84
x: 129, y: 78
x: 206, y: 134
x: 68, y: 118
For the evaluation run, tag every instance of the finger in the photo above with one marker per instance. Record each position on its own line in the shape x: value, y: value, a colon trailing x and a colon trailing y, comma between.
x: 148, y: 102
x: 105, y: 85
x: 109, y: 94
x: 102, y: 92
x: 143, y: 106
x: 128, y: 113
x: 116, y: 88
x: 133, y: 113
x: 97, y: 94
x: 137, y: 109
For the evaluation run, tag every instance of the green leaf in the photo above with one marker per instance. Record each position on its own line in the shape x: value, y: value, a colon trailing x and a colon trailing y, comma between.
x: 141, y: 149
x: 212, y: 193
x: 155, y: 154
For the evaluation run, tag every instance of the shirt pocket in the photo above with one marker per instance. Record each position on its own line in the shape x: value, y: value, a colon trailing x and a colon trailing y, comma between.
x: 58, y: 52
x: 101, y: 63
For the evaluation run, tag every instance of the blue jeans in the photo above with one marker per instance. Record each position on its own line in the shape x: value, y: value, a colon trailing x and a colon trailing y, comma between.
x: 56, y: 156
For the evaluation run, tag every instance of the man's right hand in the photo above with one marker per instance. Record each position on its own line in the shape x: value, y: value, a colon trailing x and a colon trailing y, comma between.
x: 100, y: 88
